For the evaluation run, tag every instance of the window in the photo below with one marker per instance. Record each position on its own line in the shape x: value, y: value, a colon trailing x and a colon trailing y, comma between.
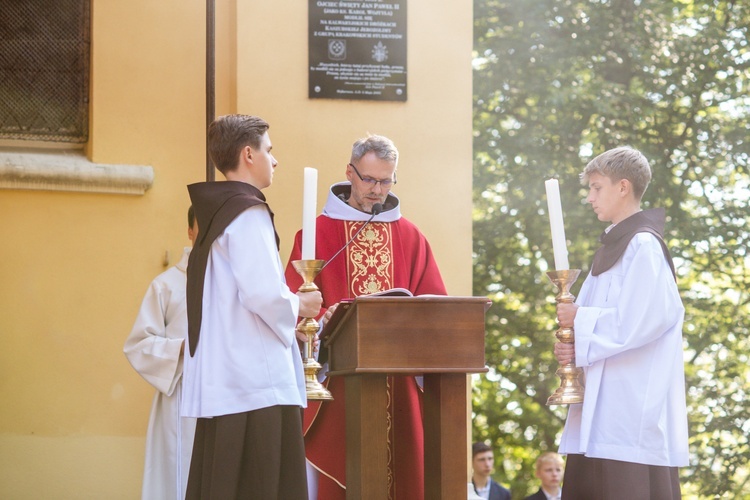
x: 44, y: 70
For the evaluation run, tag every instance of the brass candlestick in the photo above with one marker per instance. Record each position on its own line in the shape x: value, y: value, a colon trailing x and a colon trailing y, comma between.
x: 309, y: 269
x: 571, y: 377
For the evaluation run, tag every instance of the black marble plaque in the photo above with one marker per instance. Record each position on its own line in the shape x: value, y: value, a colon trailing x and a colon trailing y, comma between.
x: 357, y: 49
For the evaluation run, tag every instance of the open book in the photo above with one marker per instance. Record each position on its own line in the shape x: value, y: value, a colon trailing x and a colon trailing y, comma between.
x: 391, y: 292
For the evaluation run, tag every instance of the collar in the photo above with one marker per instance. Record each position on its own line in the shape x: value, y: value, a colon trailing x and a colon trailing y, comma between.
x: 336, y: 206
x: 182, y: 264
x: 552, y: 496
x: 615, y: 238
x: 653, y: 219
x: 486, y: 486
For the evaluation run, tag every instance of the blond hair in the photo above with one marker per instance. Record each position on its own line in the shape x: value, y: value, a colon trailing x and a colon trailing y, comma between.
x: 546, y: 457
x: 621, y: 163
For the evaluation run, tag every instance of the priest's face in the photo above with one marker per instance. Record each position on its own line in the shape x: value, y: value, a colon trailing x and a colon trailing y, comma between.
x: 366, y: 176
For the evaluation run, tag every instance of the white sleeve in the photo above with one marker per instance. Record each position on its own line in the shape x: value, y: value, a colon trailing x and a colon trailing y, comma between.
x: 639, y: 306
x: 148, y: 349
x: 258, y: 272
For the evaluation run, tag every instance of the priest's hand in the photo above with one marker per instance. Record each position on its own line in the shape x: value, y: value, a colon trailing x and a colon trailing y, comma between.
x: 329, y: 312
x: 565, y: 353
x: 566, y: 314
x: 309, y: 303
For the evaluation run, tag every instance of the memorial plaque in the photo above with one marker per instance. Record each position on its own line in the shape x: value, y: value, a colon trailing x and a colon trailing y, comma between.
x: 357, y: 50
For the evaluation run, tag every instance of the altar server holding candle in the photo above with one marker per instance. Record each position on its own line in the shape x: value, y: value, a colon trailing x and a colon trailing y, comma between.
x: 243, y: 375
x: 628, y: 437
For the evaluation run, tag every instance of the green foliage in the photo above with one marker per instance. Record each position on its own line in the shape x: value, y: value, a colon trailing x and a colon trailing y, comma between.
x: 557, y: 82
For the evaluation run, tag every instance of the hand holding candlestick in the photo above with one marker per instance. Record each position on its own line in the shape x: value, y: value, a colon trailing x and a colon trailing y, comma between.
x: 308, y: 270
x: 571, y: 377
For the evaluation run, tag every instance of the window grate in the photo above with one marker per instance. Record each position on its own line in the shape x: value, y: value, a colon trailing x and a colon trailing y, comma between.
x: 44, y: 70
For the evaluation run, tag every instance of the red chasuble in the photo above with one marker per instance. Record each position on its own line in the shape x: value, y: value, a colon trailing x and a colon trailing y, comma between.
x: 384, y: 255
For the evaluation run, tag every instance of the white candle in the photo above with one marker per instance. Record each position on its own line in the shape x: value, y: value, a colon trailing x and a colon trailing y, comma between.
x: 554, y: 207
x: 309, y: 209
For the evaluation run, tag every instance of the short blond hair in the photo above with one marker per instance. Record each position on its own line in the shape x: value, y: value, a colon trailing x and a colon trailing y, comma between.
x: 621, y: 163
x: 546, y: 457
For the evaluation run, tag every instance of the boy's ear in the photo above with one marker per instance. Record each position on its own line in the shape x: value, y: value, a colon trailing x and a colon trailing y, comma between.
x: 246, y: 156
x: 625, y: 186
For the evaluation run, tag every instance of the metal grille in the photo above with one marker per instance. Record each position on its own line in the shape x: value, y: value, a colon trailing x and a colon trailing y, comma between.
x: 44, y: 70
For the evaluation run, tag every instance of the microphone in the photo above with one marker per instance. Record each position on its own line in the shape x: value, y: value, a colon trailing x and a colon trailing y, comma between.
x: 377, y: 208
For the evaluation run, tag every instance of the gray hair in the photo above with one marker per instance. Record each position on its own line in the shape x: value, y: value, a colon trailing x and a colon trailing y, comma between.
x: 621, y: 163
x: 382, y: 146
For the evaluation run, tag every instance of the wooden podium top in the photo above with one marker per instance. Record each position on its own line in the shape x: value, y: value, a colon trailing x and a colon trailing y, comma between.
x: 425, y: 334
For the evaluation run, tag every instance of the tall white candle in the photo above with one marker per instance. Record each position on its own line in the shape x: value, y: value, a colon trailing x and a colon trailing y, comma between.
x: 554, y: 207
x: 309, y: 209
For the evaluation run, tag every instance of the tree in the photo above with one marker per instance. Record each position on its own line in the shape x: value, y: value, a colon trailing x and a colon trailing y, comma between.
x: 555, y: 83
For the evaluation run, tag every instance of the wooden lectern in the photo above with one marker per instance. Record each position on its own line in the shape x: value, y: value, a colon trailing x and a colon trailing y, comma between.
x: 440, y: 337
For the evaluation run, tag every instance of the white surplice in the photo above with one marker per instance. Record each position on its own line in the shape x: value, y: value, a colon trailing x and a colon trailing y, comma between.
x: 153, y: 349
x: 628, y: 339
x: 247, y: 357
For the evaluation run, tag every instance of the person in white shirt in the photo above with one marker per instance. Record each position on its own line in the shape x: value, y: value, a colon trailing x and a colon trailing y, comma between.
x: 244, y: 379
x: 629, y: 436
x: 155, y: 349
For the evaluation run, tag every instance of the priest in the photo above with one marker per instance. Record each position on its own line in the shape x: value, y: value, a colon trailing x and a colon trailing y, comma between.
x: 389, y: 252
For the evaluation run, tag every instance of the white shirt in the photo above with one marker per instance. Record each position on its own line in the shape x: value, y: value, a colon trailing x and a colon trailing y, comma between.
x: 556, y: 496
x: 483, y: 492
x: 628, y: 339
x: 247, y: 357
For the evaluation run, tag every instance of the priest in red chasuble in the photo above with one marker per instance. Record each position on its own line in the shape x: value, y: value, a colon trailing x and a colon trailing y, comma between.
x: 389, y: 253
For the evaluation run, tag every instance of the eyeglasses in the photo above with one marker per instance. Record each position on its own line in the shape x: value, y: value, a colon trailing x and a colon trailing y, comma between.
x: 385, y: 183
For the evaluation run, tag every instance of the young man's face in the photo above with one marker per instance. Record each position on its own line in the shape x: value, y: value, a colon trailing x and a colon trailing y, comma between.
x: 606, y: 198
x: 365, y: 195
x: 263, y: 162
x: 550, y: 473
x: 483, y: 462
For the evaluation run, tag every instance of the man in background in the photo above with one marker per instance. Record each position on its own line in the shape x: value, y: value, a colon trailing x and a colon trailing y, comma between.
x: 483, y: 465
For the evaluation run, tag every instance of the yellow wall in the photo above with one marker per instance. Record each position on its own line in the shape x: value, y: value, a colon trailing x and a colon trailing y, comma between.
x: 74, y: 266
